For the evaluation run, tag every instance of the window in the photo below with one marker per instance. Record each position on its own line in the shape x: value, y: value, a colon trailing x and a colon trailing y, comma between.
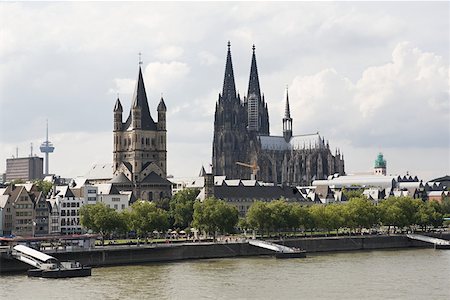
x: 123, y: 206
x: 115, y: 206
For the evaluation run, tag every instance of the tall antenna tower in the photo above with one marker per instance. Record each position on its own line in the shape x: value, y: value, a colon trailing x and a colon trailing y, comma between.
x: 47, y: 147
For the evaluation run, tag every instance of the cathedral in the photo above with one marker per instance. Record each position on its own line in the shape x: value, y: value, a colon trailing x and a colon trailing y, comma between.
x: 243, y: 146
x: 140, y: 148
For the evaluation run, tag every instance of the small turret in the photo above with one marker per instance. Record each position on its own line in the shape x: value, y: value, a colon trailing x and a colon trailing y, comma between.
x: 118, y: 115
x: 287, y: 120
x: 162, y: 109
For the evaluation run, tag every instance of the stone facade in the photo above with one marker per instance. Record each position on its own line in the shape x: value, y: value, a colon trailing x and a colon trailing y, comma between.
x: 241, y: 134
x: 140, y: 148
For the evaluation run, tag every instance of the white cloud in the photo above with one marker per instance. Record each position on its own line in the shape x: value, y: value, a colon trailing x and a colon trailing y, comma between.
x: 123, y: 86
x: 389, y: 105
x: 160, y: 76
x: 169, y: 53
x: 207, y: 58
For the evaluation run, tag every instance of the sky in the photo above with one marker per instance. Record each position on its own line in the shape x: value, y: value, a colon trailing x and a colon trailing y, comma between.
x: 368, y: 76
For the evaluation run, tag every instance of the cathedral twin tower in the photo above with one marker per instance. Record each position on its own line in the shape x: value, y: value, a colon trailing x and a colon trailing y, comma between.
x: 241, y: 135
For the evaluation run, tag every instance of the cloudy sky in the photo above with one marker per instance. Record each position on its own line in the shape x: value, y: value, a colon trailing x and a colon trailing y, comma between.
x: 370, y: 77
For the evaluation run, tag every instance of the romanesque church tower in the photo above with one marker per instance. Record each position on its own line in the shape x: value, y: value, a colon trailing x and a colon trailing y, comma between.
x: 140, y: 148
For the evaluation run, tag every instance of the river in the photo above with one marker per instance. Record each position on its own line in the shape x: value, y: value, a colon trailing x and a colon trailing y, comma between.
x: 381, y: 274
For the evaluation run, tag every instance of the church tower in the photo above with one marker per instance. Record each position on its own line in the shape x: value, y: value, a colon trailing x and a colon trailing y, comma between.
x: 230, y: 128
x: 380, y: 165
x: 258, y: 116
x: 140, y: 150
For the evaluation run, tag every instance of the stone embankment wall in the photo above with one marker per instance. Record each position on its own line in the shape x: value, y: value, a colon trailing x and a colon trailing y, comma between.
x: 120, y: 255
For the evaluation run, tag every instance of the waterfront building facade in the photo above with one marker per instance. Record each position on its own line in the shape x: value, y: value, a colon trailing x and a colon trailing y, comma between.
x: 241, y: 134
x: 69, y: 213
x: 42, y: 212
x: 140, y: 148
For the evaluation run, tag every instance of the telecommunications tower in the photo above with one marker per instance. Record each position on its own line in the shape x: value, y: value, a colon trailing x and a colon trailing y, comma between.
x: 47, y: 147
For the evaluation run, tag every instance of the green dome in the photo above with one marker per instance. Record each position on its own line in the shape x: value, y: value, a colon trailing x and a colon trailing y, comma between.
x: 380, y: 162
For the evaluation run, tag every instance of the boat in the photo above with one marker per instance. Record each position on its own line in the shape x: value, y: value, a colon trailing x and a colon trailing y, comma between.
x: 47, y: 266
x: 297, y: 253
x: 67, y: 269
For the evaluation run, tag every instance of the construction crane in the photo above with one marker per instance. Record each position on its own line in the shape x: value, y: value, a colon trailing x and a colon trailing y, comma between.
x: 254, y: 167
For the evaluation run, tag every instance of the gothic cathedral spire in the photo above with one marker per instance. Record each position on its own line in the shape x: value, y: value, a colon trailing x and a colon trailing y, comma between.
x: 229, y: 87
x: 253, y: 83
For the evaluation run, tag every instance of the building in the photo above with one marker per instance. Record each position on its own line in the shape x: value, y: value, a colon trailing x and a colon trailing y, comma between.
x: 24, y: 168
x: 380, y: 165
x: 241, y: 134
x: 69, y: 206
x: 243, y: 193
x: 140, y: 148
x: 18, y: 211
x: 111, y: 197
x: 42, y: 213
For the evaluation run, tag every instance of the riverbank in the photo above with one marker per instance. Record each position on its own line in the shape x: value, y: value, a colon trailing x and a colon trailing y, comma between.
x: 124, y: 255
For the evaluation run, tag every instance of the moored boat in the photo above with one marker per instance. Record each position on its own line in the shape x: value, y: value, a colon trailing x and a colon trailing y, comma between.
x: 47, y: 266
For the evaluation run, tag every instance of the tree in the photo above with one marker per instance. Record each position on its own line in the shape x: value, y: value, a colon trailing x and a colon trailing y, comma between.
x: 360, y: 213
x: 334, y: 214
x: 100, y: 219
x: 43, y: 186
x: 280, y: 215
x: 398, y: 211
x: 145, y: 217
x: 352, y: 193
x: 318, y: 215
x: 259, y: 217
x: 214, y: 215
x: 182, y: 207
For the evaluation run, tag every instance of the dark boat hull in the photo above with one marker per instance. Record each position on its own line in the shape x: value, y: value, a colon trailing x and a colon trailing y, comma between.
x: 297, y: 254
x: 60, y: 273
x: 442, y: 247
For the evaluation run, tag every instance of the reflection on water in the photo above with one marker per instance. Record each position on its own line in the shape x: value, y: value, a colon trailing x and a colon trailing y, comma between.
x: 400, y: 274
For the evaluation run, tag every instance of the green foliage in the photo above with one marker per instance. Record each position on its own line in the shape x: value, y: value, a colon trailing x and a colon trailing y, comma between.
x: 101, y: 219
x: 163, y: 203
x: 145, y: 217
x: 182, y: 207
x: 259, y: 216
x: 352, y: 193
x: 360, y: 213
x: 43, y: 186
x: 445, y: 205
x: 214, y: 215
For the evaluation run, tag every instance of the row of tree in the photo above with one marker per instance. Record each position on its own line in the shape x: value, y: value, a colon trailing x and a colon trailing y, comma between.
x: 356, y: 214
x: 215, y: 216
x: 211, y: 216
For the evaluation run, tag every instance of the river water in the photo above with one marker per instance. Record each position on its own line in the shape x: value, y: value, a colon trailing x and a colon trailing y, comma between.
x: 392, y: 274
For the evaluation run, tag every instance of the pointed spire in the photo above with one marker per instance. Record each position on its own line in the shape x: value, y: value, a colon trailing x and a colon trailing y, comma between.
x: 287, y: 112
x: 229, y: 87
x: 202, y: 172
x: 162, y: 105
x: 118, y: 106
x: 253, y: 83
x: 139, y: 101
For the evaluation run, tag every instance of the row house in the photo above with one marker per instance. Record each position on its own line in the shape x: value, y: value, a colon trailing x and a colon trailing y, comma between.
x: 17, y: 207
x: 68, y: 206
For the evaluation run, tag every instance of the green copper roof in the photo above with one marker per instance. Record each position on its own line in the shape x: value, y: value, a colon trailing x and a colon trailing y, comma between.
x: 380, y: 162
